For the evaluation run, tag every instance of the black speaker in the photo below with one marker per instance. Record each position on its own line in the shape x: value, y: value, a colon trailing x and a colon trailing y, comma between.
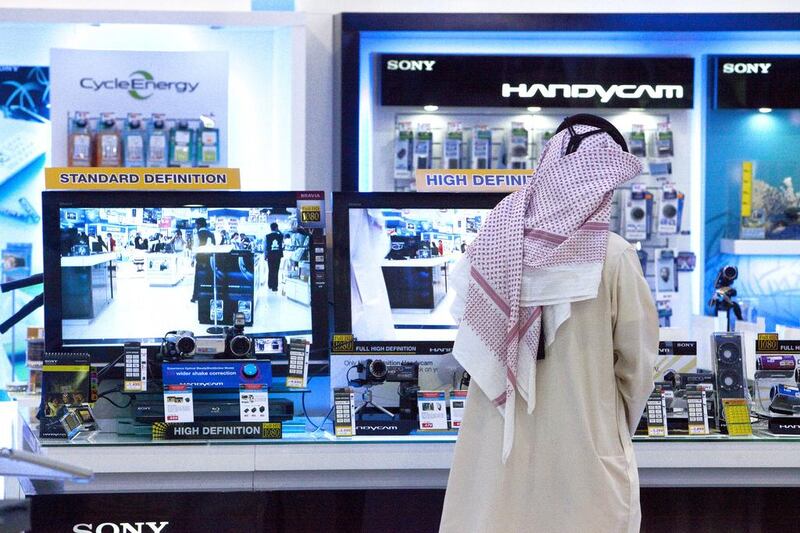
x: 729, y: 366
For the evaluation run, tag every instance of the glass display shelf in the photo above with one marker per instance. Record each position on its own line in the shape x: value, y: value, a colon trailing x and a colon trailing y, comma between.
x: 293, y: 435
x: 760, y: 247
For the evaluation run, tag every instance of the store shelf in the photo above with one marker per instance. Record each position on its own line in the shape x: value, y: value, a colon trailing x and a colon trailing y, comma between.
x: 759, y: 247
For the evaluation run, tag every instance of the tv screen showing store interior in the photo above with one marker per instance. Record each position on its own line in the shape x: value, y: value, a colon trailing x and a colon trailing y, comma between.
x: 400, y: 261
x: 133, y: 273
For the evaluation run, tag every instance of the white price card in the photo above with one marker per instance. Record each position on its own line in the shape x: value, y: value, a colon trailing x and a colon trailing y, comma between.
x: 178, y: 404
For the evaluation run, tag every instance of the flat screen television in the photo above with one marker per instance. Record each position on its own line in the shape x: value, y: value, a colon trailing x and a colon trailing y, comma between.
x: 125, y: 266
x: 393, y: 253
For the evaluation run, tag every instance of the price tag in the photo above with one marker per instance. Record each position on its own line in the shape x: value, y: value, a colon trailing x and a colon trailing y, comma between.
x: 344, y: 423
x: 657, y: 415
x: 737, y: 416
x: 698, y: 412
x: 297, y: 376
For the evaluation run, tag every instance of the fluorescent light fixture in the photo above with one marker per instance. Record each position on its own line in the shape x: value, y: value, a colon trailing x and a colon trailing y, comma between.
x: 765, y: 110
x: 431, y: 108
x: 534, y: 109
x: 636, y: 109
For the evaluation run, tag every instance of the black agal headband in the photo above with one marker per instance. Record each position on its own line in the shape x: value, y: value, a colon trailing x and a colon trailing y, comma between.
x: 585, y: 119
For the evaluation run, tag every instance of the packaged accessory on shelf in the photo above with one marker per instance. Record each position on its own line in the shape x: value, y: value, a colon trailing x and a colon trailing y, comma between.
x: 637, y: 141
x: 157, y: 141
x: 664, y: 145
x: 423, y: 147
x: 481, y: 156
x: 108, y: 142
x: 636, y: 213
x: 403, y: 146
x: 666, y: 278
x: 670, y: 210
x: 518, y: 156
x: 134, y: 141
x: 180, y: 144
x: 80, y: 152
x: 207, y: 143
x: 452, y: 145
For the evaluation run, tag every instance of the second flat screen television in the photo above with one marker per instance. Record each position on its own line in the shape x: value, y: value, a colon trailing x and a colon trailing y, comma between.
x: 393, y: 255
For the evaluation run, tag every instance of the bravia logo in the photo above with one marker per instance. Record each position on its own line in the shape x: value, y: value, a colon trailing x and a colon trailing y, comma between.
x: 410, y: 64
x: 140, y: 85
x: 588, y: 90
x: 121, y: 527
x: 746, y: 68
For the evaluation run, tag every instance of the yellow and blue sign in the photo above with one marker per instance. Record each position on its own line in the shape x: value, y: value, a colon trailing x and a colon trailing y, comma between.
x: 485, y: 180
x: 142, y: 179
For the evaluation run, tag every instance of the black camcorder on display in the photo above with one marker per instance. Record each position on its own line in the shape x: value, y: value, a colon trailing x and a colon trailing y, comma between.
x: 178, y: 344
x: 237, y: 344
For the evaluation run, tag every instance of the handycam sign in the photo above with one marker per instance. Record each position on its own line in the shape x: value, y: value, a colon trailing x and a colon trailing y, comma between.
x: 543, y: 81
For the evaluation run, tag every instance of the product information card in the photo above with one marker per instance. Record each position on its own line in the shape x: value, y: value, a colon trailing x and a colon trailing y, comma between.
x: 458, y: 400
x: 254, y: 403
x: 178, y: 404
x: 432, y: 410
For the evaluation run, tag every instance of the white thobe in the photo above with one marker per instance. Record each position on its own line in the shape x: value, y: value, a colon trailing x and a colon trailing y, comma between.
x: 572, y: 466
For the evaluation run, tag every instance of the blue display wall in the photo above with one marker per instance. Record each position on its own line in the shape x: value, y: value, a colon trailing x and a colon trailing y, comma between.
x: 768, y: 284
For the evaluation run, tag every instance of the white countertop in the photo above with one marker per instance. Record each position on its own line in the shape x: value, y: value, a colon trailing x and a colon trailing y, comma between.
x: 88, y: 260
x: 427, y: 262
x: 396, y: 463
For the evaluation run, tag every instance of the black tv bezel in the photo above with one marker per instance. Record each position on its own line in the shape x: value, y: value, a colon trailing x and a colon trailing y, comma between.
x: 52, y: 201
x: 344, y: 201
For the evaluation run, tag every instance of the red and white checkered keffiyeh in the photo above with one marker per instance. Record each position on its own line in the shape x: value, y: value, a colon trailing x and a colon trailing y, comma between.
x: 541, y: 248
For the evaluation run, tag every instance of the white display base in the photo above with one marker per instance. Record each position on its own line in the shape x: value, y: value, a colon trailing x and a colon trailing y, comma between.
x: 759, y: 247
x: 402, y: 464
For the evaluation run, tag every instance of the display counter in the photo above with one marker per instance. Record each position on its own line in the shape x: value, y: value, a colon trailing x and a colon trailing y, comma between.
x: 418, y: 284
x: 164, y: 269
x: 87, y: 285
x: 313, y: 461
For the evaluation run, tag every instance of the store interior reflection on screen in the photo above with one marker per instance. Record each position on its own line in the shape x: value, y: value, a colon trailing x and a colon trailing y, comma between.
x: 135, y: 273
x: 400, y: 264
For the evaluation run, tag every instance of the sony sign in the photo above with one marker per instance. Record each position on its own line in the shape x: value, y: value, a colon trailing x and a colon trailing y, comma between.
x: 746, y: 68
x: 121, y: 527
x: 410, y: 64
x: 591, y: 90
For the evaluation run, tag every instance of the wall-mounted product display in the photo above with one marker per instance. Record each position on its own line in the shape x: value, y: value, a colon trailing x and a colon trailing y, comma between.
x: 116, y: 65
x: 498, y: 99
x: 752, y: 200
x: 122, y: 114
x: 24, y: 129
x: 134, y: 141
x: 488, y: 111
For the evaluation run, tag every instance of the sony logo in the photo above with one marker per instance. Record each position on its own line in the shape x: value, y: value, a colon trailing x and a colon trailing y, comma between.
x: 746, y: 68
x: 590, y: 90
x: 122, y: 527
x: 410, y: 64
